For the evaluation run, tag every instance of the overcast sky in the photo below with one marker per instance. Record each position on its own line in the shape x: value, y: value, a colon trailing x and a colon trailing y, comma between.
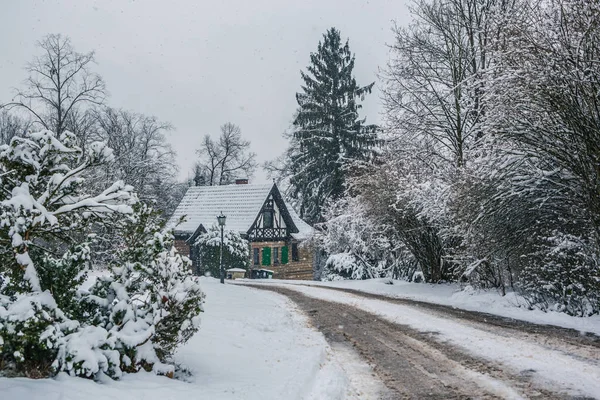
x: 199, y: 64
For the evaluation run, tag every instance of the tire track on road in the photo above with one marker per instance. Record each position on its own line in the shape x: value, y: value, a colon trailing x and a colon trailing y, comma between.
x: 413, y: 364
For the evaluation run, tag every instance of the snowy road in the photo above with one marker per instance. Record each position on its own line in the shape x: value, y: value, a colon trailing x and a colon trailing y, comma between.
x: 256, y: 344
x: 429, y: 352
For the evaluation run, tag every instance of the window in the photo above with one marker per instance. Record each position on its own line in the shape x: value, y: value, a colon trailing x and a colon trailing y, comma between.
x: 268, y: 219
x: 256, y: 256
x: 275, y: 255
x: 295, y: 256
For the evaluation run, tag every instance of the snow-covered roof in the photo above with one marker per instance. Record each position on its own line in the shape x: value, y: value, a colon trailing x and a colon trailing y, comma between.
x: 239, y: 203
x: 236, y: 270
x: 304, y: 229
x: 201, y: 205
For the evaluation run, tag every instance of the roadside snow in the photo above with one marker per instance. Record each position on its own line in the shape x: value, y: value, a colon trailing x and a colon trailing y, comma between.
x: 510, y: 306
x: 551, y: 369
x: 252, y: 345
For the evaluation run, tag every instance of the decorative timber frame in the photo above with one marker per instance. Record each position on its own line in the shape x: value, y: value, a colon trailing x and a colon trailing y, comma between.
x: 270, y: 225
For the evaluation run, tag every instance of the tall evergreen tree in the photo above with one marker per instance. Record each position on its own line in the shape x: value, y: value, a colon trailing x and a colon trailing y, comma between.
x: 328, y: 133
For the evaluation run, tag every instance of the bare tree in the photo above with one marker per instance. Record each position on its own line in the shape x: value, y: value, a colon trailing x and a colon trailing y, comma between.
x: 11, y: 126
x: 433, y: 91
x: 59, y: 84
x: 224, y: 160
x: 143, y: 158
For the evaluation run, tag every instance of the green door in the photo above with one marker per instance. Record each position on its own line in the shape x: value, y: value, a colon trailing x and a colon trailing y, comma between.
x: 284, y: 255
x: 266, y: 256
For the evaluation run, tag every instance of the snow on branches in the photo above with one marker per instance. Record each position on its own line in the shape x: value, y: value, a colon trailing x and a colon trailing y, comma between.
x: 236, y: 252
x: 41, y: 177
x: 131, y: 319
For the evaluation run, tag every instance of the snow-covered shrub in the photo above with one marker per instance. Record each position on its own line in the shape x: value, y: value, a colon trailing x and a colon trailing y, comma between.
x: 32, y: 328
x: 563, y: 275
x: 63, y: 276
x: 88, y: 352
x: 151, y: 302
x: 178, y: 302
x: 236, y: 252
x: 43, y: 207
x: 345, y: 266
x: 358, y: 244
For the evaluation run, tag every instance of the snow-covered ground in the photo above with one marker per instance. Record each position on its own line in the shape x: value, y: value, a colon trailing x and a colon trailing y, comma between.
x: 550, y: 368
x: 511, y: 305
x: 252, y: 345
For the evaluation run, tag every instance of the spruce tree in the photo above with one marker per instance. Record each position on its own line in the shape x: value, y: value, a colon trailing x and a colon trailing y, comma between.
x: 328, y: 133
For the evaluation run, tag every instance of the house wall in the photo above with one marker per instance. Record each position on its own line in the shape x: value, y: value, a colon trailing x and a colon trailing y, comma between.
x: 300, y: 270
x: 182, y: 247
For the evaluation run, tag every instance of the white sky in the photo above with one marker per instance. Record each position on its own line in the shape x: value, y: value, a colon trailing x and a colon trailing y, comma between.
x: 199, y: 64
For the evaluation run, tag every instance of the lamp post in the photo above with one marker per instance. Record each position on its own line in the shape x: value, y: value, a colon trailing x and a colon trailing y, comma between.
x: 221, y: 218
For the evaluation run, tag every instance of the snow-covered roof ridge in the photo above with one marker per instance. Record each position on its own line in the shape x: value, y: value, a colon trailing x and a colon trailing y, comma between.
x: 201, y: 205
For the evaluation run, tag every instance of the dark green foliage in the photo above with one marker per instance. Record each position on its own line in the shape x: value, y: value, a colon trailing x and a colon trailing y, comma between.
x: 148, y: 267
x: 236, y: 252
x: 328, y: 133
x: 33, y: 349
x: 63, y: 276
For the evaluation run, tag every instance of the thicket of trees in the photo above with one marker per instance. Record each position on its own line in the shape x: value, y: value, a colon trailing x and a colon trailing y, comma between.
x: 63, y: 93
x: 490, y: 168
x: 64, y: 159
x: 133, y: 317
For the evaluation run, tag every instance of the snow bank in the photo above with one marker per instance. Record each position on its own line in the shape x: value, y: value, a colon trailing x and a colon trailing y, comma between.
x: 251, y: 345
x: 510, y: 306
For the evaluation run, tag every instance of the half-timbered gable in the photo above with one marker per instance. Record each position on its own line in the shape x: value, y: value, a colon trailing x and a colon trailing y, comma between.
x: 258, y: 212
x: 273, y: 222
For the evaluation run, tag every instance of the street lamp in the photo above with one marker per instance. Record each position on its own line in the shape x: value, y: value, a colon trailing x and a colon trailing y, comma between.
x: 221, y: 218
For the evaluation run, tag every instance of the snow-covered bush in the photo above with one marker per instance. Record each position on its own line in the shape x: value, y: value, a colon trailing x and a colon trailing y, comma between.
x: 348, y: 240
x: 563, y: 275
x: 236, y: 251
x: 63, y: 276
x: 359, y: 244
x: 31, y: 330
x: 42, y: 207
x: 132, y: 319
x: 345, y: 266
x: 151, y: 302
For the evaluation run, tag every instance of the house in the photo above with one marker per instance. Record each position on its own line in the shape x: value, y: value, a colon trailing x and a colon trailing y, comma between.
x: 276, y: 234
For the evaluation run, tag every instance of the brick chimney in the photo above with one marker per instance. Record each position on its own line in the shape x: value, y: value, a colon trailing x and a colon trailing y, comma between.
x: 243, y: 181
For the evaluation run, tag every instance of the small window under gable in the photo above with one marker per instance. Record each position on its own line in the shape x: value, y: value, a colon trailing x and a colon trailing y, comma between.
x: 268, y: 219
x: 268, y: 214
